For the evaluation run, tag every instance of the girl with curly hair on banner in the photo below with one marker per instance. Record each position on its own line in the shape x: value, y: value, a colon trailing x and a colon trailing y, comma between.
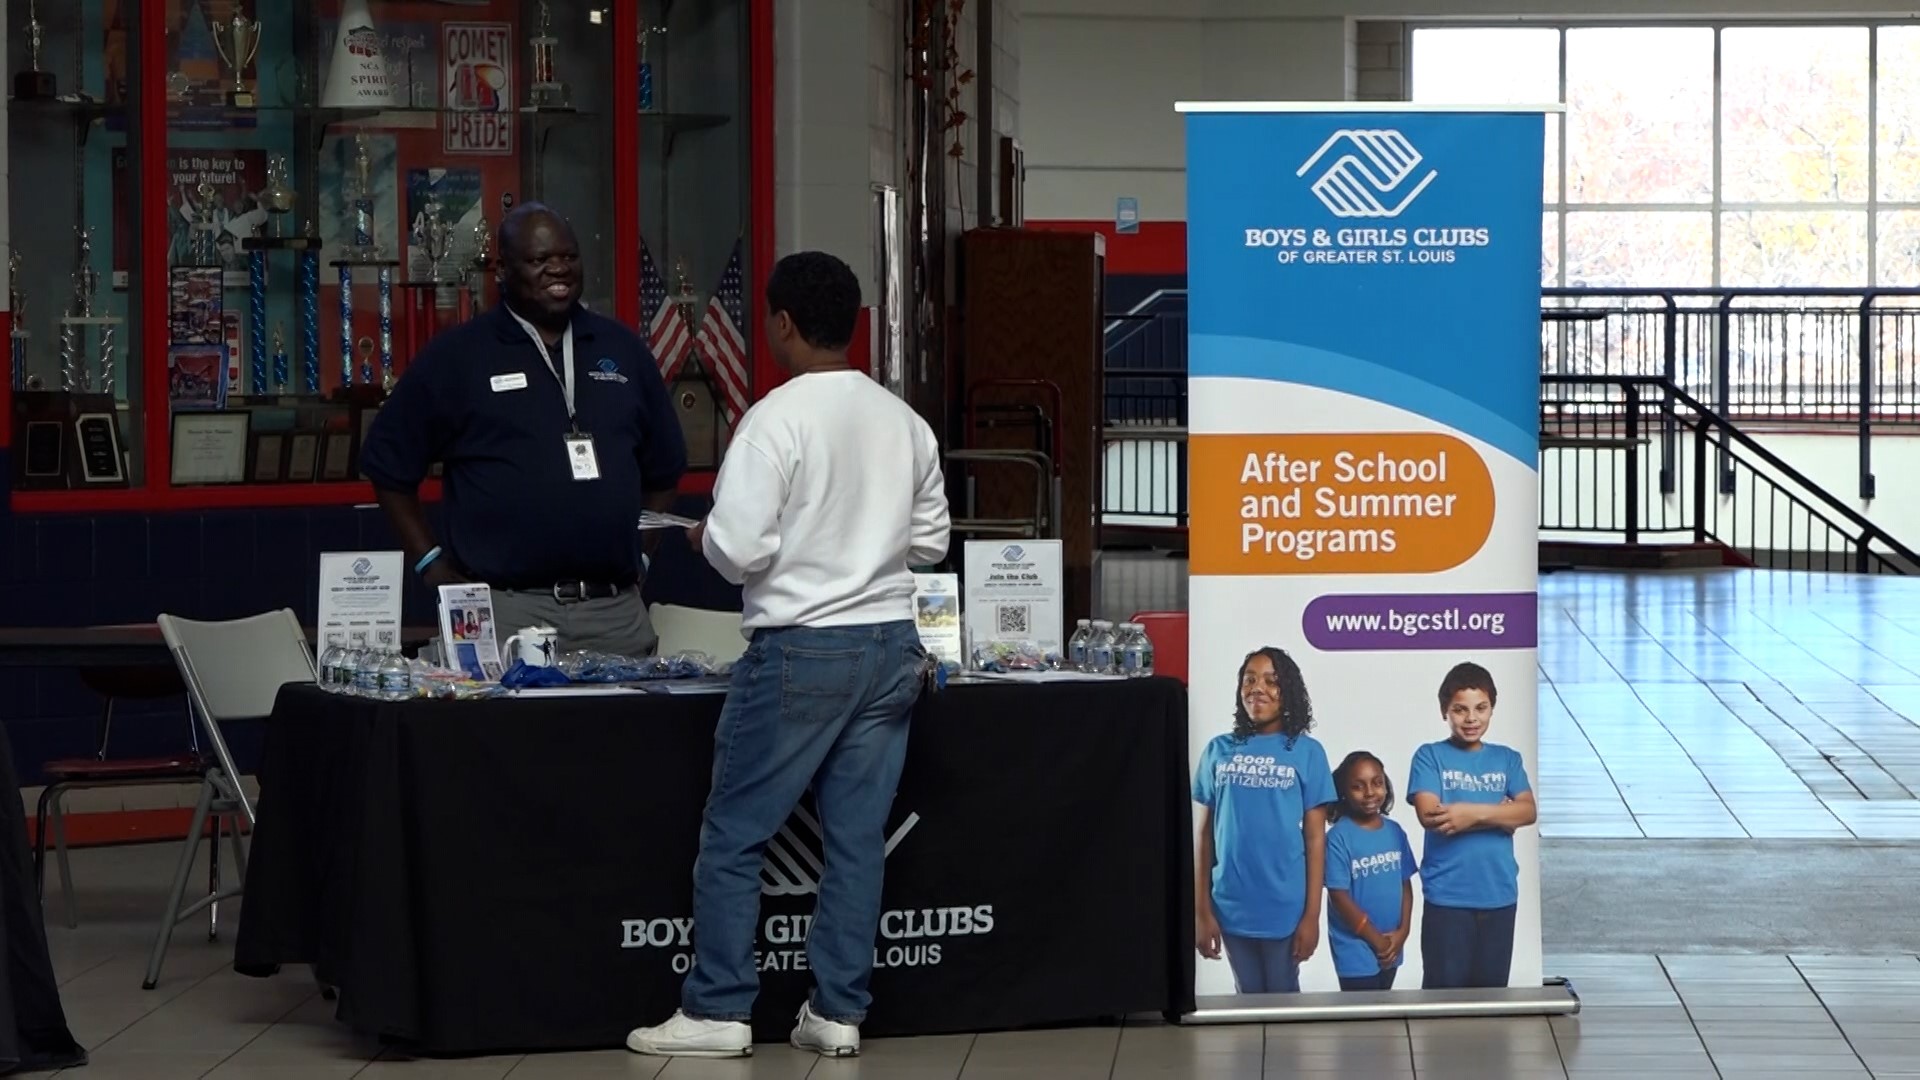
x: 1263, y: 789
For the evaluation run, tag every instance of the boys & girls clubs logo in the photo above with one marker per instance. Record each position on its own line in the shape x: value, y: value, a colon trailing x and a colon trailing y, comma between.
x: 1368, y: 174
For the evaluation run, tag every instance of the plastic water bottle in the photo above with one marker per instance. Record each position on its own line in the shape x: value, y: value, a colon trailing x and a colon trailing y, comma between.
x: 395, y: 678
x: 329, y: 666
x: 1146, y: 652
x: 1077, y: 645
x: 1100, y: 648
x: 1128, y: 648
x: 365, y: 669
x: 340, y: 678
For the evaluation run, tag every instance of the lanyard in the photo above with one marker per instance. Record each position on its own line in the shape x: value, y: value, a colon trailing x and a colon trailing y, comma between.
x: 564, y: 372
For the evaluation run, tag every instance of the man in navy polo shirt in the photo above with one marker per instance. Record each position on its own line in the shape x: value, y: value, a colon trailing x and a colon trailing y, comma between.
x: 554, y: 429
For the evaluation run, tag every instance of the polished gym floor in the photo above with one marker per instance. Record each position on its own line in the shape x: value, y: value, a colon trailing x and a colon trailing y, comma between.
x: 1727, y: 778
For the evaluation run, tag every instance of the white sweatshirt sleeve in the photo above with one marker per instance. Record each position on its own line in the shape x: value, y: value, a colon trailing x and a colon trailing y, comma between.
x: 931, y: 524
x: 743, y: 529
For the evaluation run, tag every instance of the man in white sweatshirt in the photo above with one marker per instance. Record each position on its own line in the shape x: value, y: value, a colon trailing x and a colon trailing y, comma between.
x: 831, y: 490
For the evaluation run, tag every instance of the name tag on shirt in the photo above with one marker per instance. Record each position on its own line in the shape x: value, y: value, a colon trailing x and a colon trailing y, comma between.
x: 581, y: 458
x: 503, y: 383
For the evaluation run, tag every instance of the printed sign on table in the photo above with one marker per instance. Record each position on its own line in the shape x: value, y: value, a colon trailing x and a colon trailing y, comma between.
x: 1364, y: 353
x: 468, y: 640
x: 1014, y: 592
x: 360, y: 598
x: 936, y: 614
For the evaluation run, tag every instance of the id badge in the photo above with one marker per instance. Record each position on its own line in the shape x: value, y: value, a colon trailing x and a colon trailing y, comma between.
x: 581, y: 458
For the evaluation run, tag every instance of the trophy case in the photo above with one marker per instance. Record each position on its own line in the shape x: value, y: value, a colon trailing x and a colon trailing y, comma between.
x: 75, y: 384
x: 235, y: 222
x: 694, y: 199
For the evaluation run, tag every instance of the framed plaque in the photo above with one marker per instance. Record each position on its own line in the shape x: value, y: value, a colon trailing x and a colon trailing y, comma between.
x: 102, y: 462
x: 268, y: 457
x: 363, y: 420
x: 43, y: 452
x: 700, y: 421
x: 303, y: 456
x: 336, y: 461
x: 210, y: 447
x: 43, y: 457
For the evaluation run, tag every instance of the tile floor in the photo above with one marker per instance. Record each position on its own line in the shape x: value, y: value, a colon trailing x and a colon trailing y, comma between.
x: 1681, y: 714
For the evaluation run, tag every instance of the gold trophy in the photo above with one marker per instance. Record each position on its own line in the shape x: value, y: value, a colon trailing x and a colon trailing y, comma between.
x: 238, y: 42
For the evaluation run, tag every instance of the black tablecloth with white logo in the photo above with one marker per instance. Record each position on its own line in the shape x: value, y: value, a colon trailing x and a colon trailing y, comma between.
x: 517, y: 874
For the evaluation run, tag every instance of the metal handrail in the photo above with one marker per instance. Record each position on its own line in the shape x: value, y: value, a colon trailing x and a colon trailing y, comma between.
x: 1665, y: 395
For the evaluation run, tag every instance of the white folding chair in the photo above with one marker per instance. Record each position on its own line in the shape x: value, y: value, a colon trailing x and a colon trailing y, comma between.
x: 233, y: 670
x: 685, y: 629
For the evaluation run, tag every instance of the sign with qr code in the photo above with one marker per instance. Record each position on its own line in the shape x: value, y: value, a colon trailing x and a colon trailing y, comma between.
x: 1014, y: 592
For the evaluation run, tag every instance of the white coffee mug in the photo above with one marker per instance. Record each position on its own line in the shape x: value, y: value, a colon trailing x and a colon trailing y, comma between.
x: 538, y: 646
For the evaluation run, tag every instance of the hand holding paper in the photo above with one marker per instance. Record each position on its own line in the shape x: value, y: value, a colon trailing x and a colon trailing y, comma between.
x: 654, y: 519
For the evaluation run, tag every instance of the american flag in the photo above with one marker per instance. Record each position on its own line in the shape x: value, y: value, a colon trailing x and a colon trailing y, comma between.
x: 667, y: 332
x: 722, y: 345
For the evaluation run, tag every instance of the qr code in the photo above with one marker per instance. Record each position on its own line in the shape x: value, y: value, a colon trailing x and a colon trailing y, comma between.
x: 1013, y: 619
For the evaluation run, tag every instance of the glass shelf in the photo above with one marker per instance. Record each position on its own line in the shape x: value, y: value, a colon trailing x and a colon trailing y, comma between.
x: 676, y: 122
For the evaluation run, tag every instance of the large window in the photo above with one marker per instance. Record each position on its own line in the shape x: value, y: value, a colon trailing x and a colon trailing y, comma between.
x: 1738, y: 156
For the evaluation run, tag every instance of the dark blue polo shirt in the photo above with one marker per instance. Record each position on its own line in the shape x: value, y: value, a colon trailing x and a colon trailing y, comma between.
x: 515, y: 516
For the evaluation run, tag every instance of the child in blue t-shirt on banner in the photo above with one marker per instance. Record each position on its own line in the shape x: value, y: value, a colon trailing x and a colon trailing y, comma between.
x: 1370, y: 869
x: 1471, y: 795
x: 1262, y: 790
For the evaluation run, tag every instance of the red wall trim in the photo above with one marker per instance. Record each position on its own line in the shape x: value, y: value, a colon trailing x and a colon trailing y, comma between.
x: 626, y: 164
x: 1160, y: 247
x: 139, y: 500
x: 760, y: 206
x: 151, y: 147
x: 861, y: 351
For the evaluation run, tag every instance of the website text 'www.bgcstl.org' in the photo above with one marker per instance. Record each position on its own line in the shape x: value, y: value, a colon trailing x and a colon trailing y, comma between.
x: 1414, y: 623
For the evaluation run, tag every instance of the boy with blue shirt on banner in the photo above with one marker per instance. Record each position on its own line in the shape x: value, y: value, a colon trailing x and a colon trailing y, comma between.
x: 1471, y: 796
x: 1263, y: 790
x: 1370, y: 870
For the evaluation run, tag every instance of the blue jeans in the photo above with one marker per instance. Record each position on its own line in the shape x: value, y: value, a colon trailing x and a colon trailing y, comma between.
x: 1383, y: 980
x: 1262, y: 965
x: 1465, y: 947
x: 824, y: 709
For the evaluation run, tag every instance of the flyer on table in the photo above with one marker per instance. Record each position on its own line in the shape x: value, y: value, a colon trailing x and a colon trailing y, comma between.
x: 1364, y: 359
x: 360, y: 598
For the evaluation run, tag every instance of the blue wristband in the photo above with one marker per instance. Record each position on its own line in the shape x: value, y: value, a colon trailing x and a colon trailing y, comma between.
x: 426, y: 560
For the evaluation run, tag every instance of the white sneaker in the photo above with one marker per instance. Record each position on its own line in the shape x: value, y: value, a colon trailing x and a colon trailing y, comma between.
x: 683, y: 1036
x: 824, y: 1037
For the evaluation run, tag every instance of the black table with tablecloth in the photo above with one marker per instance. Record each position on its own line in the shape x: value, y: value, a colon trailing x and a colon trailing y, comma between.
x: 516, y: 874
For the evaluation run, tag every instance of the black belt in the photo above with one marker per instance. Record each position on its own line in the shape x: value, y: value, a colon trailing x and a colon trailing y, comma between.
x: 572, y: 592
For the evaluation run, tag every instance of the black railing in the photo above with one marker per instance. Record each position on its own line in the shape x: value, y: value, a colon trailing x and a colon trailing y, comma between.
x: 1144, y: 438
x: 1830, y: 358
x: 1826, y: 357
x: 1606, y: 449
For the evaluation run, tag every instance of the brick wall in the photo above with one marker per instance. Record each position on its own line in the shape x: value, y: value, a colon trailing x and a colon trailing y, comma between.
x: 1380, y: 61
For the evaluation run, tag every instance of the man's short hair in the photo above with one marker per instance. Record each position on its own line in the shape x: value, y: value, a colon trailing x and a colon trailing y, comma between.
x: 820, y: 294
x: 507, y: 236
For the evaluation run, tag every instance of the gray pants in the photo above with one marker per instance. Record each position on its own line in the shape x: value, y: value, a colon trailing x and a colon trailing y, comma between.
x: 618, y: 625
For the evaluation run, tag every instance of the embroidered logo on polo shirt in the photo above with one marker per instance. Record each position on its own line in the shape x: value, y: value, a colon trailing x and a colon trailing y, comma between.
x: 607, y: 371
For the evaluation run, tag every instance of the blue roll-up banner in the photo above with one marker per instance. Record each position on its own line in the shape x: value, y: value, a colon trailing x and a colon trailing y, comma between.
x: 1364, y: 291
